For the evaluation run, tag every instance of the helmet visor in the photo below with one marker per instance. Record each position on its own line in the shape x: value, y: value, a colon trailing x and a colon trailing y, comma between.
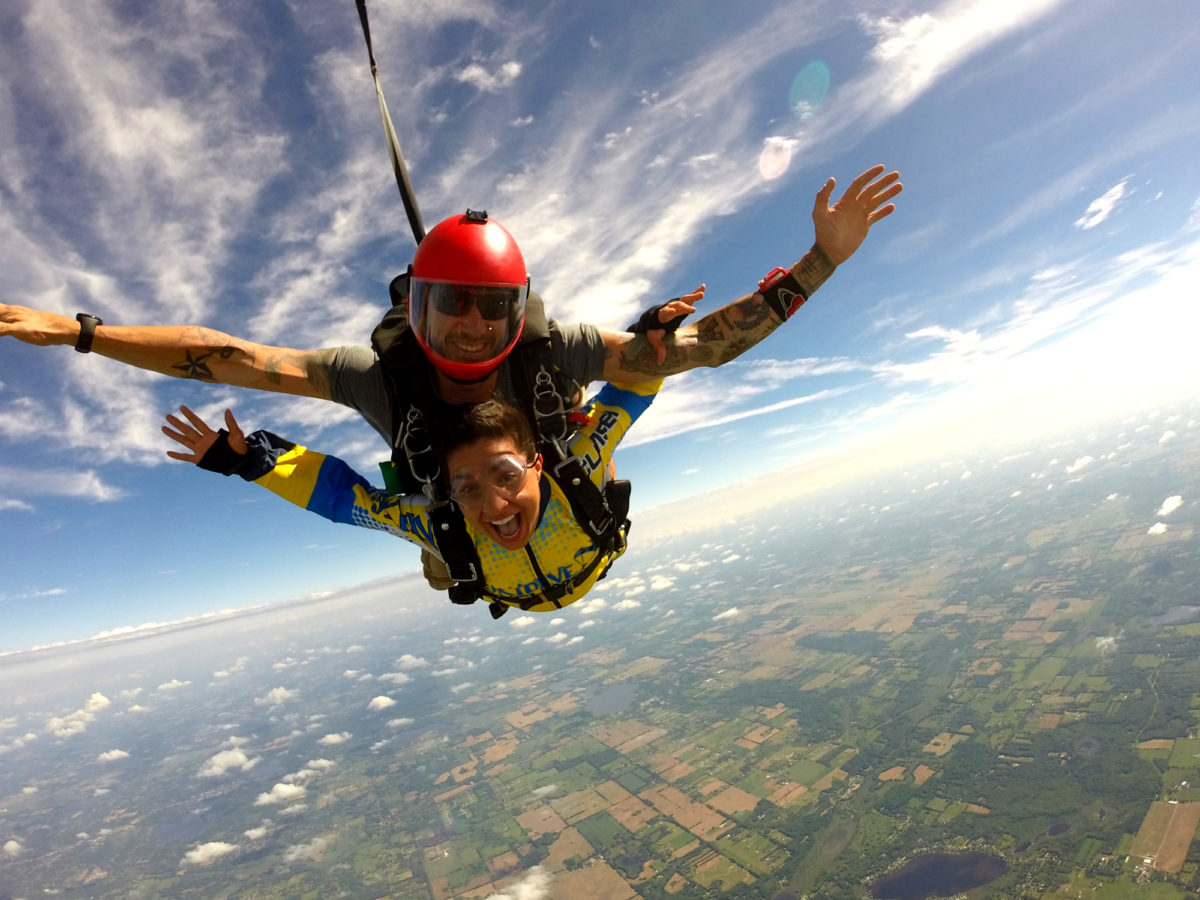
x: 467, y: 324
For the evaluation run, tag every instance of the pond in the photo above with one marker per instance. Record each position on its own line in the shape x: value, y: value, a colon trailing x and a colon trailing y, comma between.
x: 609, y: 700
x: 939, y: 875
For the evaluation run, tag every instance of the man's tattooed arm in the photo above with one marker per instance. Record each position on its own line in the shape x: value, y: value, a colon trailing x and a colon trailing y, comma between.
x: 204, y: 354
x: 713, y: 340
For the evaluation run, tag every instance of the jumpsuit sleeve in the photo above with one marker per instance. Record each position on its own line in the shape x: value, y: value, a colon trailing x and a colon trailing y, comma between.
x: 329, y: 487
x: 611, y: 413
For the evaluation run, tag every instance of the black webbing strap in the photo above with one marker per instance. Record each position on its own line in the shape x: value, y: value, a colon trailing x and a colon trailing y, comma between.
x: 555, y: 592
x: 407, y: 194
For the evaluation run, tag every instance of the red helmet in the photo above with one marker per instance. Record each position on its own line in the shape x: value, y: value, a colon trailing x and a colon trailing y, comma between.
x: 466, y: 298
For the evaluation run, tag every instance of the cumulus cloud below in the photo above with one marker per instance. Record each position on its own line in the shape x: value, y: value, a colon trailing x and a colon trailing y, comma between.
x: 77, y: 722
x: 534, y: 885
x: 226, y: 761
x: 203, y: 854
x: 281, y: 793
x: 1169, y: 506
x: 275, y: 697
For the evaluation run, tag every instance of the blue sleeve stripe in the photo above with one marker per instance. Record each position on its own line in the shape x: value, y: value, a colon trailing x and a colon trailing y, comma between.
x: 333, y: 495
x: 633, y: 404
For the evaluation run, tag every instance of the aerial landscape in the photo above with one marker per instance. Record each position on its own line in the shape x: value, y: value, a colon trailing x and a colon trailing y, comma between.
x: 975, y: 673
x: 911, y: 602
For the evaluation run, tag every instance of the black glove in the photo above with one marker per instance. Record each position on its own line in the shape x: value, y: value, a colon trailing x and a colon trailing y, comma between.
x: 648, y: 320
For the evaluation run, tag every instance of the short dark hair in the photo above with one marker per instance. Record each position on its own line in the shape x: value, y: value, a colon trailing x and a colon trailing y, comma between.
x: 490, y: 419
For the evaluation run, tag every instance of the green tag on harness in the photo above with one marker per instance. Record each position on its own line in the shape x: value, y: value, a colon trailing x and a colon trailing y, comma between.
x: 391, y: 479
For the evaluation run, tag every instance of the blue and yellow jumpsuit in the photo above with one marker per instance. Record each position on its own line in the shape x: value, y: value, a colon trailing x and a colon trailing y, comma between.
x: 559, y: 551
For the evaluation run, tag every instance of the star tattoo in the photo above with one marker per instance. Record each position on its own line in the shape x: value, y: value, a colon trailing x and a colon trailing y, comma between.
x: 196, y: 367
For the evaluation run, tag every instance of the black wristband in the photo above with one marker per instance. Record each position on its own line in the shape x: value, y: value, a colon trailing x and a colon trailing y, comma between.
x: 782, y: 292
x: 649, y: 320
x: 87, y: 331
x: 222, y: 458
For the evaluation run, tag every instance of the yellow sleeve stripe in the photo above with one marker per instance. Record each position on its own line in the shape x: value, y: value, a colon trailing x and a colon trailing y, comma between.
x: 295, y: 475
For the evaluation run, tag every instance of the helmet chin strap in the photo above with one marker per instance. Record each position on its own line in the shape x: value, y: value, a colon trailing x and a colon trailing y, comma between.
x: 467, y: 380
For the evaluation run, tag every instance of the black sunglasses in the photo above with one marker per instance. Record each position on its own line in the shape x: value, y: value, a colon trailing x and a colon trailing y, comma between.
x: 493, y: 303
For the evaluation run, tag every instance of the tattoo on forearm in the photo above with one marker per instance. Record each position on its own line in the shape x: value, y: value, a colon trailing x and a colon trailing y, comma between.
x: 714, y: 340
x: 752, y: 310
x: 195, y: 367
x: 736, y: 348
x: 316, y: 370
x: 708, y: 330
x: 813, y: 270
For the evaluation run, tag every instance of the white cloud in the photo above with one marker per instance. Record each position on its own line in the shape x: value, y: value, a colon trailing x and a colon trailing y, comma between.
x: 1157, y: 528
x: 12, y: 848
x: 77, y: 722
x: 312, y: 850
x: 395, y: 678
x: 380, y: 702
x: 1081, y: 463
x: 533, y: 885
x: 728, y: 614
x: 239, y: 665
x: 331, y: 740
x: 82, y: 485
x: 1102, y: 207
x: 275, y: 697
x: 399, y: 723
x: 203, y: 854
x: 523, y: 621
x: 112, y: 756
x: 258, y: 832
x: 173, y: 685
x: 732, y: 557
x: 1170, y: 505
x: 281, y: 793
x: 557, y: 638
x: 220, y: 763
x: 1168, y: 435
x: 627, y: 603
x: 408, y: 661
x: 490, y: 82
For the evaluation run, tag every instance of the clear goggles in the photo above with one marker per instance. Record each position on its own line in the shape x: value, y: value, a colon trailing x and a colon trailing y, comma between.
x: 503, y: 475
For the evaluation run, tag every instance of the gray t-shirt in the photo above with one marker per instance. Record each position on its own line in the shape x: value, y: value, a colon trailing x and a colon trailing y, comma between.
x: 356, y: 376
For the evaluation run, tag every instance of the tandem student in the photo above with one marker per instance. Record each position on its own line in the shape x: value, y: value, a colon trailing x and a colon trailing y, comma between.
x: 532, y: 542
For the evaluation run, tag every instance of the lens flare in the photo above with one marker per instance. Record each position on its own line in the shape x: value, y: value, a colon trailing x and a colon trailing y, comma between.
x: 775, y: 158
x: 808, y: 90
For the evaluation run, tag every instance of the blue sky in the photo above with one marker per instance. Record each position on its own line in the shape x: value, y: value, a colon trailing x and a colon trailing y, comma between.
x: 224, y: 164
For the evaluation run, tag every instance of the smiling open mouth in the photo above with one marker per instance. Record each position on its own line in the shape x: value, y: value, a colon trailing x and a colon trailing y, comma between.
x: 508, y: 528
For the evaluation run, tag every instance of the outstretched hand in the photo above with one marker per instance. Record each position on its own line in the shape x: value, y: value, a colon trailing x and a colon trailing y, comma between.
x: 198, y: 437
x: 680, y: 306
x: 843, y: 227
x: 36, y: 326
